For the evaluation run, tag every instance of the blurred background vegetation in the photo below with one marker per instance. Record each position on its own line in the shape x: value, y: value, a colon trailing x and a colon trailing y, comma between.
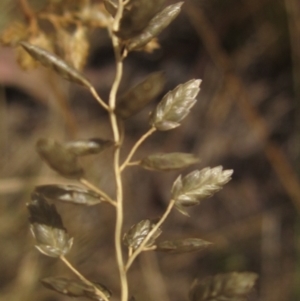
x: 247, y: 52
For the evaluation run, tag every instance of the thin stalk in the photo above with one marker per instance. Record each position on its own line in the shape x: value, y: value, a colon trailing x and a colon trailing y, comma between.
x: 136, y: 146
x: 98, y: 98
x: 154, y: 229
x: 130, y: 251
x: 82, y: 278
x: 118, y: 227
x: 97, y: 190
x: 118, y: 142
x: 150, y: 249
x: 135, y: 163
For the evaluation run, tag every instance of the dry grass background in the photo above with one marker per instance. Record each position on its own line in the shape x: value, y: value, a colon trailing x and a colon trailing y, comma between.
x: 247, y: 118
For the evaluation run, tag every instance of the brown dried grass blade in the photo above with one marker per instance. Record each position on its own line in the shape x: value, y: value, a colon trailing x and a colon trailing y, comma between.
x: 52, y: 61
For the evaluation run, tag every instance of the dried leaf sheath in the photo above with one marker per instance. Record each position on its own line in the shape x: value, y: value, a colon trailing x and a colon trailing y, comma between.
x: 59, y: 158
x: 52, y: 61
x: 198, y: 185
x: 47, y: 228
x: 137, y: 16
x: 169, y: 161
x: 136, y: 98
x: 223, y: 287
x: 87, y: 147
x: 69, y: 194
x: 138, y: 232
x: 182, y: 245
x: 175, y: 106
x: 155, y: 26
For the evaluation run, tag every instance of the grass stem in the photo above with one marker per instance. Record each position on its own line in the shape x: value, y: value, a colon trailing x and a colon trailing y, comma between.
x: 141, y: 247
x: 97, y: 190
x: 82, y: 278
x: 135, y: 147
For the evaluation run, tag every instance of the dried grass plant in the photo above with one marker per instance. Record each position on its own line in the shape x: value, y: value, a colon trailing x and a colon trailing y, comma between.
x: 63, y: 47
